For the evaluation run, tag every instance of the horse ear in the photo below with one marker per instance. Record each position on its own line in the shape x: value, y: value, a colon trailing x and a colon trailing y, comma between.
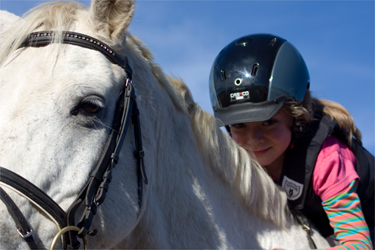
x: 112, y: 16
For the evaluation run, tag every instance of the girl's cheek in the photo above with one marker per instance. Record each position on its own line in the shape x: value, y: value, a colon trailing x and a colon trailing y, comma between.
x: 237, y: 138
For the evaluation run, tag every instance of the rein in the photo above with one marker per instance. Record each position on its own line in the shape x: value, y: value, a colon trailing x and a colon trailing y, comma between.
x: 94, y: 192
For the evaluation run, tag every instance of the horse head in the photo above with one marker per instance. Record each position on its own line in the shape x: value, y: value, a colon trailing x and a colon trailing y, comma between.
x: 59, y: 101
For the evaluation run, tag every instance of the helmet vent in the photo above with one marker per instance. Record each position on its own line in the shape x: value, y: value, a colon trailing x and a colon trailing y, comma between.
x: 223, y: 77
x: 273, y: 41
x: 254, y: 71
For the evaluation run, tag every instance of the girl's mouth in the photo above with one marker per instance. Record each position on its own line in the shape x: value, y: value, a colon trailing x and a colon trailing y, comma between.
x: 261, y: 152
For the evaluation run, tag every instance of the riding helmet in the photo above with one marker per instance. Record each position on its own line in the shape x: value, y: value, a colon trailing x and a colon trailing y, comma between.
x: 253, y: 76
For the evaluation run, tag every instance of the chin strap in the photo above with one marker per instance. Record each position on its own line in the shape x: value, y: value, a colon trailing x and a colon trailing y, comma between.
x: 227, y: 127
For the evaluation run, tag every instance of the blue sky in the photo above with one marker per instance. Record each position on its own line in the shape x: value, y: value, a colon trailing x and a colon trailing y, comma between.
x: 336, y: 39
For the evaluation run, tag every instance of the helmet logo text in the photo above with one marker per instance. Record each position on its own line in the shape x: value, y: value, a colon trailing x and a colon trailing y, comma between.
x: 239, y: 96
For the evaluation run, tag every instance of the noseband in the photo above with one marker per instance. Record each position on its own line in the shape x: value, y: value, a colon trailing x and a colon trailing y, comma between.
x: 94, y: 192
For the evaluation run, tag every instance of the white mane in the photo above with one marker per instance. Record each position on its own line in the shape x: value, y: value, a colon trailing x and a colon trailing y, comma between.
x: 233, y: 163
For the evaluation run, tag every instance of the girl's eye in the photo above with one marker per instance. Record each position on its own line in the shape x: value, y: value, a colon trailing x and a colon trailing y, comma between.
x: 269, y: 122
x: 238, y: 125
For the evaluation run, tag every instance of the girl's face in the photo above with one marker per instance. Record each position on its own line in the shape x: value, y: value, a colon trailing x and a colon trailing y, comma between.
x: 268, y: 140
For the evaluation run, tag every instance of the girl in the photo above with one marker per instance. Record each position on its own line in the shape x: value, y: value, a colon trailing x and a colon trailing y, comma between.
x: 259, y: 88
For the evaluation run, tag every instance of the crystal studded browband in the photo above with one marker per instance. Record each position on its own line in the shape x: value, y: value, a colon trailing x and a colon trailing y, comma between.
x: 44, y: 38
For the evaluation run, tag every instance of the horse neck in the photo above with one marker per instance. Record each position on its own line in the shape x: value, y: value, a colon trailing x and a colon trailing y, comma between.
x: 192, y: 168
x: 238, y: 169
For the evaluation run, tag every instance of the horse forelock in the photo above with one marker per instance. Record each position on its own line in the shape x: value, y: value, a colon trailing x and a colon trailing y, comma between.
x: 57, y: 16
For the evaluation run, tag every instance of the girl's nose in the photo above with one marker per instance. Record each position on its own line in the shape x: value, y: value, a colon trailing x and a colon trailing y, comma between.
x: 255, y: 135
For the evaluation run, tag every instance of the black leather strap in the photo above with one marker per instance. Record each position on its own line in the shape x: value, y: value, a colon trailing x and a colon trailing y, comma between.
x: 22, y: 225
x: 95, y: 191
x: 139, y: 154
x: 96, y: 177
x: 127, y: 101
x: 33, y: 193
x: 303, y: 221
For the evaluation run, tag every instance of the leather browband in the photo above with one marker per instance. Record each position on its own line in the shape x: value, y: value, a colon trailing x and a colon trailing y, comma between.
x: 44, y: 38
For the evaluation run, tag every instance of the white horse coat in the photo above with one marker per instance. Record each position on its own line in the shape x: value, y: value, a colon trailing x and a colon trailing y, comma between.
x: 204, y: 191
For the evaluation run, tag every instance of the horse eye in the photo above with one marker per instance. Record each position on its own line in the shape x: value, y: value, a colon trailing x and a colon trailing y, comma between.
x: 87, y: 107
x: 90, y: 108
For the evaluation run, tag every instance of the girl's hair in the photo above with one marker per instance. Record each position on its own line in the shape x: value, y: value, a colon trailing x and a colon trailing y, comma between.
x: 303, y: 113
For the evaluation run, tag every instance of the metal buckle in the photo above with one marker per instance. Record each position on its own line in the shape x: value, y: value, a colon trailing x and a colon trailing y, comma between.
x: 28, y: 234
x: 306, y: 227
x: 128, y: 81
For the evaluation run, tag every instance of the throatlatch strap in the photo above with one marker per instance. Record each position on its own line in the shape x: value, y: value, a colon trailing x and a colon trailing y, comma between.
x: 23, y: 227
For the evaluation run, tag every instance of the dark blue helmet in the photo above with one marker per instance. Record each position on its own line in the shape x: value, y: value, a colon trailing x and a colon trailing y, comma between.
x: 253, y: 76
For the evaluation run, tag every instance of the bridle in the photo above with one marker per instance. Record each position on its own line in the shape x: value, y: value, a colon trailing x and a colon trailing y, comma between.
x: 94, y: 192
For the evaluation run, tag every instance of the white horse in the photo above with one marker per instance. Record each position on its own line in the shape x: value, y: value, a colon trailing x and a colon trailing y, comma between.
x: 57, y: 104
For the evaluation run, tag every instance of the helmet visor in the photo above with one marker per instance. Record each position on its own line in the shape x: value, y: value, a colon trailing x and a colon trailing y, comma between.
x: 248, y: 112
